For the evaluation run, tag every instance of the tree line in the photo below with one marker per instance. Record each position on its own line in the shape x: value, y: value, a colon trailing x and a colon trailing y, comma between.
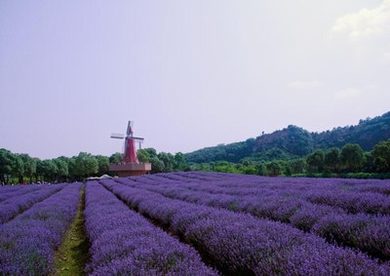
x: 21, y: 168
x: 348, y: 160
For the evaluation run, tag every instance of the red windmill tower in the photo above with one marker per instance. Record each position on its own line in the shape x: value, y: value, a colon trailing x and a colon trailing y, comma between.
x: 130, y: 165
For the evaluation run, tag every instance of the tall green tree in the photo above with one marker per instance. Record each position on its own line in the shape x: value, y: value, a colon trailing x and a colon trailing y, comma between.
x: 273, y: 168
x: 261, y: 169
x: 368, y: 165
x: 6, y: 158
x: 151, y: 152
x: 86, y: 165
x: 352, y: 157
x: 168, y: 160
x: 332, y: 160
x: 62, y: 169
x: 30, y: 166
x: 116, y: 158
x: 157, y: 165
x: 381, y: 156
x: 103, y: 164
x: 72, y: 169
x: 315, y: 161
x: 247, y: 167
x: 180, y: 162
x: 143, y: 156
x: 18, y: 167
x: 297, y: 166
x: 47, y: 169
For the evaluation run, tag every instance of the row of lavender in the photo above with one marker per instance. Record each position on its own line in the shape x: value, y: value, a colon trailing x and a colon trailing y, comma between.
x: 349, y: 200
x: 24, y: 199
x: 354, y: 196
x: 12, y: 191
x: 239, y: 243
x: 369, y: 233
x: 28, y: 242
x: 125, y: 243
x: 302, y: 183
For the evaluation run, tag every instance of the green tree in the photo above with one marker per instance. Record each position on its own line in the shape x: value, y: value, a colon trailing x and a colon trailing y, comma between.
x: 103, y: 164
x: 168, y: 160
x: 315, y: 161
x: 369, y: 164
x: 250, y: 169
x: 18, y: 167
x: 381, y: 156
x: 261, y: 169
x: 332, y: 160
x: 151, y: 152
x: 86, y: 165
x: 116, y: 158
x: 47, y: 169
x: 273, y: 168
x: 180, y: 162
x: 62, y: 169
x: 163, y: 162
x: 286, y: 168
x: 30, y: 166
x: 73, y: 172
x: 247, y: 167
x: 352, y: 157
x: 297, y: 166
x: 226, y: 167
x: 6, y: 158
x: 205, y: 167
x: 39, y: 171
x: 143, y: 156
x: 157, y: 165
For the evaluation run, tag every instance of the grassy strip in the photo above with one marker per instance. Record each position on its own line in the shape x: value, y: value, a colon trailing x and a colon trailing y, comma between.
x: 72, y: 255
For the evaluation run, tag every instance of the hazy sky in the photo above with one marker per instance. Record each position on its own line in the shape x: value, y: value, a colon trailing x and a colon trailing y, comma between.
x: 189, y: 73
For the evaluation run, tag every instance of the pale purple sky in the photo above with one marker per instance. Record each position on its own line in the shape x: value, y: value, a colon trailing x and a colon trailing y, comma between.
x: 189, y: 73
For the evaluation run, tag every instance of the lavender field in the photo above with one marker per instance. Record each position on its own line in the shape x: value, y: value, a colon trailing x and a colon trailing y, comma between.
x: 197, y: 223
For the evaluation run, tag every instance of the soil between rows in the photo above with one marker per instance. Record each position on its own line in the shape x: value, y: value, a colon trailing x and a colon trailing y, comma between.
x: 73, y: 253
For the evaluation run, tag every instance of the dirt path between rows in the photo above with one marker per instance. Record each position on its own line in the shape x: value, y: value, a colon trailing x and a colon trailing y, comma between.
x: 72, y: 255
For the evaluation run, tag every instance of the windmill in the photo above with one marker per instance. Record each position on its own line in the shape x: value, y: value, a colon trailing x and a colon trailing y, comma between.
x: 130, y: 164
x: 130, y: 153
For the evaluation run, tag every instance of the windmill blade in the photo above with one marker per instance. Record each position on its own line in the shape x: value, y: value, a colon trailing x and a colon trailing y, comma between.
x: 117, y: 136
x: 138, y: 139
x: 130, y: 128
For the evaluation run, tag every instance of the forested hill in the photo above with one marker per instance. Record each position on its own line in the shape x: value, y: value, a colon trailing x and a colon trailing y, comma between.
x: 294, y: 141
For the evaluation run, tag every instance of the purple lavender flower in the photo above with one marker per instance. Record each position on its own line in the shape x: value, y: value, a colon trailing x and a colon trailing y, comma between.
x: 123, y: 242
x: 15, y: 205
x: 28, y: 242
x: 240, y: 243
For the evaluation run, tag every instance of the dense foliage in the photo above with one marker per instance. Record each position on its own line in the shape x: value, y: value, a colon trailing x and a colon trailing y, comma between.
x: 349, y: 161
x: 21, y: 168
x: 163, y: 162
